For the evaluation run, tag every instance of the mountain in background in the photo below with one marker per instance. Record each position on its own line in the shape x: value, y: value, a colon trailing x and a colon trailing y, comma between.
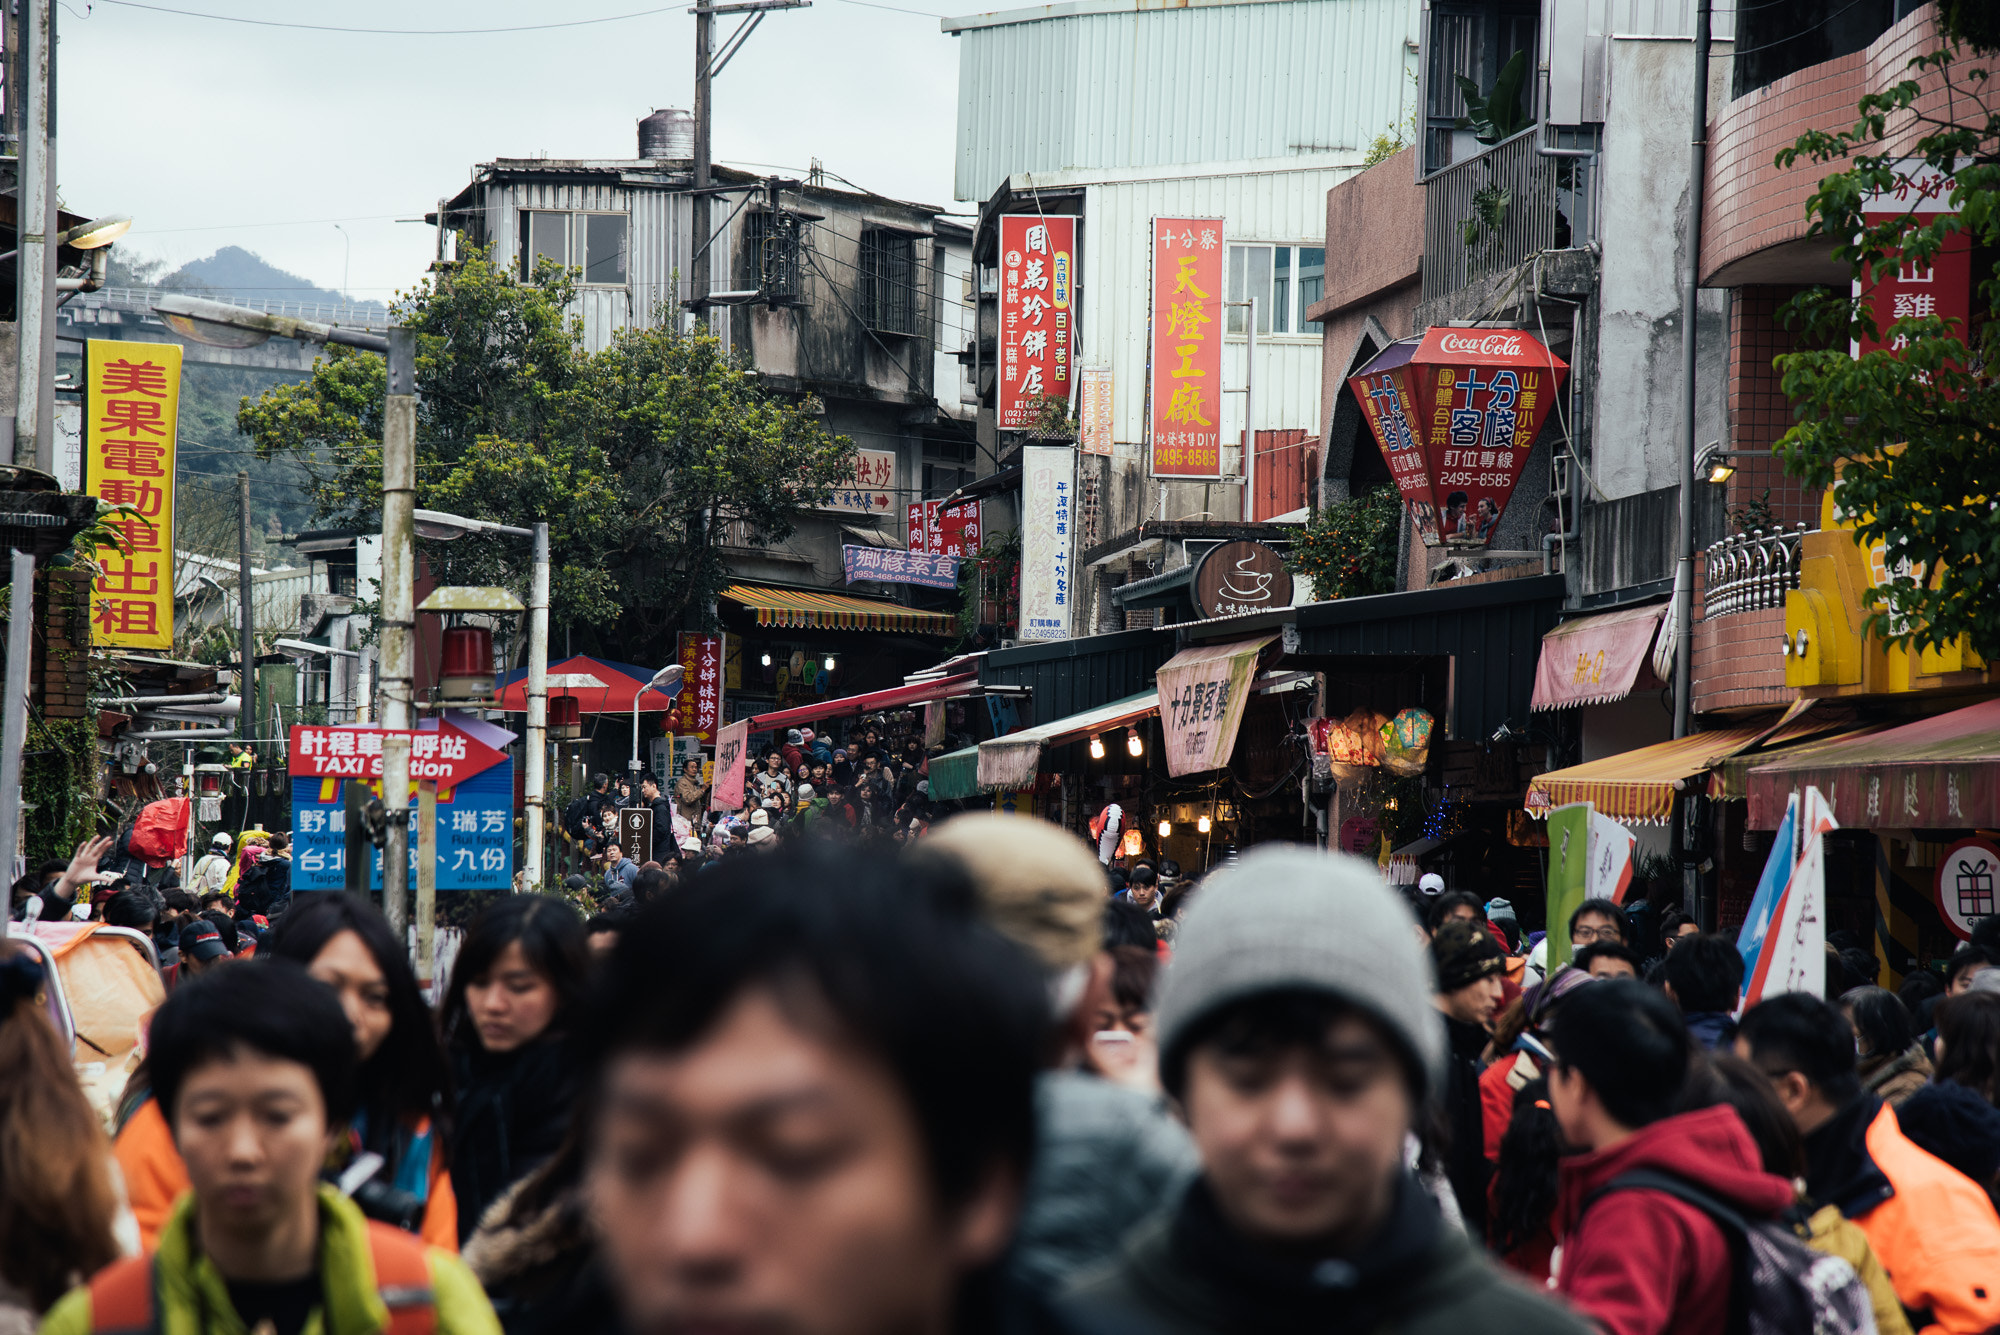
x: 231, y: 274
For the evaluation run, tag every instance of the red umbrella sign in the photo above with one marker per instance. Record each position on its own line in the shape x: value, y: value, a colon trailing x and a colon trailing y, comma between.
x: 1455, y: 413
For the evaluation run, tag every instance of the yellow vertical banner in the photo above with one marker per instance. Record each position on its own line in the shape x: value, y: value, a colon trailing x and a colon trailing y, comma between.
x: 131, y: 413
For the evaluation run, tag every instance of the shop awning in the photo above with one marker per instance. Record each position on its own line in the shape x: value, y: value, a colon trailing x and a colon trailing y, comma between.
x: 1729, y: 781
x: 1009, y: 763
x: 619, y: 684
x: 1204, y: 689
x: 1594, y: 660
x: 954, y: 775
x: 1637, y: 786
x: 895, y: 697
x: 801, y: 609
x: 1937, y: 773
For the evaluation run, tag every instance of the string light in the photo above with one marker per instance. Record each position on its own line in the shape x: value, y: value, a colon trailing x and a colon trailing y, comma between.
x: 1097, y: 748
x: 829, y: 662
x: 1202, y: 825
x: 767, y: 660
x: 1166, y: 828
x: 1133, y: 744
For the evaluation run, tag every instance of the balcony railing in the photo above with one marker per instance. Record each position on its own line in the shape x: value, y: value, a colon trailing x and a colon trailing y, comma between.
x: 1752, y: 571
x: 1489, y: 213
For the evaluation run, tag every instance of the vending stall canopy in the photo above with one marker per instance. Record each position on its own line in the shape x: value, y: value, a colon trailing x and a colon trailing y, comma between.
x: 1009, y: 763
x: 954, y: 775
x: 1638, y: 786
x: 1937, y: 773
x: 618, y: 685
x: 809, y: 610
x: 1594, y: 660
x: 895, y: 697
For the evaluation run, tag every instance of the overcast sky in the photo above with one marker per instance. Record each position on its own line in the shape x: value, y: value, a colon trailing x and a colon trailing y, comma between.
x: 217, y: 133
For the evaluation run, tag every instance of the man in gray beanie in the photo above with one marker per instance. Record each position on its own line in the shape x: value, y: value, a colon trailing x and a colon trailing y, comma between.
x: 1298, y: 1041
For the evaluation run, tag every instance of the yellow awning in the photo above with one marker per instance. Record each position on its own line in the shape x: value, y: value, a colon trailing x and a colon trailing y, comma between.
x: 1637, y: 786
x: 800, y: 609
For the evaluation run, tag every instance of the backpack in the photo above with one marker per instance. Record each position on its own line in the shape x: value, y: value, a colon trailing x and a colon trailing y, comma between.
x: 1779, y: 1285
x: 573, y: 814
x: 123, y: 1294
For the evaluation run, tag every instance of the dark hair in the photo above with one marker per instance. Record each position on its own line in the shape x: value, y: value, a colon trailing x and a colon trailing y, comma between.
x: 1134, y: 969
x: 1986, y: 934
x: 225, y: 927
x: 1919, y: 986
x: 1722, y: 1079
x: 1609, y: 950
x: 897, y: 962
x: 1671, y: 923
x: 603, y: 922
x: 1141, y: 875
x: 1524, y: 1183
x: 599, y: 782
x: 1968, y: 1028
x: 179, y: 900
x: 1127, y: 924
x: 551, y: 936
x: 1628, y: 1042
x: 136, y: 906
x: 651, y: 883
x: 272, y: 1007
x: 408, y: 1078
x: 1965, y: 957
x: 1273, y: 1021
x: 1443, y: 905
x: 1880, y: 1019
x: 1705, y: 972
x: 1800, y: 1032
x: 1605, y: 908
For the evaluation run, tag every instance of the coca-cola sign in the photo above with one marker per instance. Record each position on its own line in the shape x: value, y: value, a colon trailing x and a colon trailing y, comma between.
x: 1456, y: 413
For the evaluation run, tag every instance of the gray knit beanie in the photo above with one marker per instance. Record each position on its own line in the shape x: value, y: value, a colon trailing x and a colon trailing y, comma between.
x: 1291, y: 917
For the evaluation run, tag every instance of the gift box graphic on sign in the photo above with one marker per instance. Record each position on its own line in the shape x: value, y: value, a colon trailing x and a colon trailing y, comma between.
x: 1975, y: 889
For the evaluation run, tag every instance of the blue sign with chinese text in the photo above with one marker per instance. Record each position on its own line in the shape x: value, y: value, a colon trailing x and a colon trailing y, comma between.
x: 475, y: 833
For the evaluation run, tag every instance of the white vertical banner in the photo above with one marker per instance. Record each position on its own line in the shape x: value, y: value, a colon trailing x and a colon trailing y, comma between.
x: 1793, y: 957
x: 1048, y: 503
x: 1611, y: 847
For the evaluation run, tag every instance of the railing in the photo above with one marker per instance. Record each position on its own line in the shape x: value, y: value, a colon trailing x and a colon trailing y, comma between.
x: 1752, y: 571
x: 345, y: 314
x: 1489, y: 213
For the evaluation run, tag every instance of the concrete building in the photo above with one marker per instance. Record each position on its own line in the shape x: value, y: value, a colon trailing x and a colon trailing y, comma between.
x: 1120, y: 111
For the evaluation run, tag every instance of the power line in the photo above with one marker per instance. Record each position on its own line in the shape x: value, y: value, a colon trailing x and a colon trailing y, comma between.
x: 389, y: 32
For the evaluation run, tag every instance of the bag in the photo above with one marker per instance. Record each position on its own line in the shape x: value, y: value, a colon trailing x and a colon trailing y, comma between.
x: 573, y: 815
x: 160, y: 834
x: 1779, y: 1285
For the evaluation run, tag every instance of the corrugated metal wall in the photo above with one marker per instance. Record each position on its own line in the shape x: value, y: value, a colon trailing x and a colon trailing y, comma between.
x: 1070, y: 676
x: 1221, y: 83
x: 660, y: 249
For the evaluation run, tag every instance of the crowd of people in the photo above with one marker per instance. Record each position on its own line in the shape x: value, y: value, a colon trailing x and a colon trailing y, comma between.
x: 975, y: 1082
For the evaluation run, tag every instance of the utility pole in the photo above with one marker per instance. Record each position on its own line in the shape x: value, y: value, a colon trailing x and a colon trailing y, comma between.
x: 246, y: 718
x: 35, y: 249
x: 1690, y: 313
x: 535, y: 785
x: 399, y: 482
x: 704, y: 104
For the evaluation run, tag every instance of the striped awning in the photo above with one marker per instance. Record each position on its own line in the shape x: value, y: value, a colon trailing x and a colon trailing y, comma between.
x: 800, y: 609
x: 1638, y: 786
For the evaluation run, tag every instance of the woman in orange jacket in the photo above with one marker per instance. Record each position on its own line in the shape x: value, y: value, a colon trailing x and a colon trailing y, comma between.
x: 396, y: 1158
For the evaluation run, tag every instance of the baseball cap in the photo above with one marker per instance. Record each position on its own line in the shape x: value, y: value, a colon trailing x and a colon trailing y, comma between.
x: 202, y: 942
x: 220, y: 841
x: 1431, y: 883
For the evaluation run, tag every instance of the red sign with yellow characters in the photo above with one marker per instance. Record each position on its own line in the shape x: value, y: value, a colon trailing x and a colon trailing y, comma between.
x: 131, y: 415
x: 1455, y: 414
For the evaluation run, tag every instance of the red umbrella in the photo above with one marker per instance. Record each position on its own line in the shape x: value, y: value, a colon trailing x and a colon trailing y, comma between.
x: 599, y: 685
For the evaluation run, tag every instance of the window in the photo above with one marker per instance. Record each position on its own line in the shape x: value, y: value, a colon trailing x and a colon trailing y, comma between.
x: 888, y: 281
x: 1474, y: 39
x: 593, y: 242
x: 1286, y: 280
x: 948, y: 465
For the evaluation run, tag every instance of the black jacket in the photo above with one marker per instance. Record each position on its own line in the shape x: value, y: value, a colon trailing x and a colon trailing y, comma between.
x: 513, y: 1111
x: 1465, y: 1160
x: 1189, y: 1273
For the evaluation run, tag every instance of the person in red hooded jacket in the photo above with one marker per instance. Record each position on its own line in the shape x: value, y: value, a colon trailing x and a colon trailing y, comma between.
x: 1639, y: 1261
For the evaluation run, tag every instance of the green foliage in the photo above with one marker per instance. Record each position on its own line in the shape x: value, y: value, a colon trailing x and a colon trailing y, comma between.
x: 637, y: 456
x: 1754, y: 514
x: 1489, y: 214
x: 1910, y: 435
x: 1349, y: 548
x: 994, y: 573
x: 1500, y: 114
x: 59, y: 780
x: 1399, y: 135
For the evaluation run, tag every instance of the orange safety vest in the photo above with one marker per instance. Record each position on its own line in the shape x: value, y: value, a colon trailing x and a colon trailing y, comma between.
x: 123, y: 1294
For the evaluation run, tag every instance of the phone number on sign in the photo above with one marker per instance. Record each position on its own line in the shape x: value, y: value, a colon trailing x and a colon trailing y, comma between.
x: 1475, y: 479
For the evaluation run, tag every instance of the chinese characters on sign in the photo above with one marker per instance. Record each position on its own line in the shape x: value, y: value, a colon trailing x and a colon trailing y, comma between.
x: 701, y: 685
x: 1048, y: 480
x: 1455, y: 415
x: 937, y: 531
x: 872, y: 489
x: 1186, y: 355
x: 475, y: 831
x: 443, y: 754
x: 133, y: 392
x: 890, y: 566
x: 726, y: 792
x: 1913, y: 290
x: 1037, y: 278
x: 1094, y: 410
x: 1202, y: 695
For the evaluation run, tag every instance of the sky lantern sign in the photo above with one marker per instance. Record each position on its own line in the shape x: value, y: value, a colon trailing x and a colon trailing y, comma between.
x: 130, y: 423
x: 1186, y: 386
x: 1037, y: 283
x: 1455, y: 413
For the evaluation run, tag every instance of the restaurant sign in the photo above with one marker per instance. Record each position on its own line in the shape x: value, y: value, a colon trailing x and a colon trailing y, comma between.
x: 886, y: 565
x: 1239, y: 577
x: 1202, y: 695
x: 1455, y: 413
x: 1185, y: 415
x: 1037, y: 284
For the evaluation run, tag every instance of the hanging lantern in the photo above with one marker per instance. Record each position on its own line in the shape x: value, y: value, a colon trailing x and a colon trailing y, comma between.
x: 468, y: 663
x: 1455, y: 413
x: 565, y: 716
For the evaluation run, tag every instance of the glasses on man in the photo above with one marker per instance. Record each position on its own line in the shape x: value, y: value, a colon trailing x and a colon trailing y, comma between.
x: 1591, y: 934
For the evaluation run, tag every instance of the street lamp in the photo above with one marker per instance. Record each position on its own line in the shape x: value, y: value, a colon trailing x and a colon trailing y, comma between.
x: 439, y: 526
x: 667, y: 681
x: 97, y: 232
x: 221, y: 325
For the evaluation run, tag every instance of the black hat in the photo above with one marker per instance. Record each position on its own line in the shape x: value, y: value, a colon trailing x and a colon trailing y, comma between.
x: 1464, y: 953
x: 200, y: 940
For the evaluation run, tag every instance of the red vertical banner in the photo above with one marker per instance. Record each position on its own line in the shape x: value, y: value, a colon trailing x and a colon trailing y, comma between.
x: 701, y: 686
x: 958, y: 531
x: 1185, y: 420
x: 1911, y: 290
x: 1037, y: 286
x: 918, y: 528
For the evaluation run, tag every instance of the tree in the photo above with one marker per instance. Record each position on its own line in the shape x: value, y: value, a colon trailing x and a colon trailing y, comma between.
x: 636, y: 456
x: 1911, y: 436
x: 1349, y: 548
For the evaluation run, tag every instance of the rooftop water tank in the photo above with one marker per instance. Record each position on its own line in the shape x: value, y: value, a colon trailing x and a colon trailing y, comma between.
x: 667, y: 136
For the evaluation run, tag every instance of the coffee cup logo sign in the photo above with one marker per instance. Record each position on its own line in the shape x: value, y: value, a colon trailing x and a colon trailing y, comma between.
x: 1455, y: 414
x: 1240, y: 577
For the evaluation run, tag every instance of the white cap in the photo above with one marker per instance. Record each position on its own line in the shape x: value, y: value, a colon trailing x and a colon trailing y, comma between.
x: 1431, y: 883
x: 760, y: 817
x: 760, y: 834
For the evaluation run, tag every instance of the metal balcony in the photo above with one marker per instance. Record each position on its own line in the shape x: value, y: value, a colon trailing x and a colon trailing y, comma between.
x: 1489, y: 213
x: 1751, y: 571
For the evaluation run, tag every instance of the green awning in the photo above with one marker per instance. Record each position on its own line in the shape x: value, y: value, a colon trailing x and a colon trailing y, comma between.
x: 955, y: 775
